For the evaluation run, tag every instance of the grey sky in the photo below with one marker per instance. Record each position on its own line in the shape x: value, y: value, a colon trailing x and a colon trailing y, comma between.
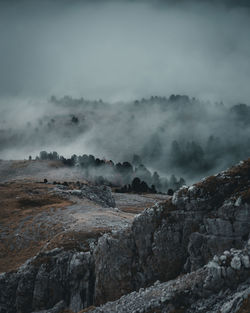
x: 119, y: 50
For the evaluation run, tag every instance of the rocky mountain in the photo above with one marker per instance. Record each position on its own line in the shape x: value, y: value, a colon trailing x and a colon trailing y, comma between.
x: 187, y: 254
x: 220, y: 286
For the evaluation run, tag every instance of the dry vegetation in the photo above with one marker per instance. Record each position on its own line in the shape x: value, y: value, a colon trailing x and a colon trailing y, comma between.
x: 22, y: 234
x: 72, y: 240
x: 135, y: 209
x: 20, y: 164
x: 245, y: 308
x: 234, y: 181
x: 89, y: 309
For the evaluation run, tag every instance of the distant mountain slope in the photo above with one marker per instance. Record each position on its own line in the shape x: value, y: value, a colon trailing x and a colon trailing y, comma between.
x: 178, y: 135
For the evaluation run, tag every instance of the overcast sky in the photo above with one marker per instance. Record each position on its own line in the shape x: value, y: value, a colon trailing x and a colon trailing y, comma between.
x: 121, y: 50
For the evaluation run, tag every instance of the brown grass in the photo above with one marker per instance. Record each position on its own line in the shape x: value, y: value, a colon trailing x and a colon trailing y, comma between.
x: 245, y: 308
x: 168, y: 205
x: 210, y: 185
x: 135, y: 209
x: 20, y: 164
x: 246, y: 196
x: 242, y: 170
x: 168, y: 208
x: 88, y: 309
x: 30, y: 202
x: 73, y: 240
x: 56, y: 164
x: 20, y: 202
x: 234, y: 183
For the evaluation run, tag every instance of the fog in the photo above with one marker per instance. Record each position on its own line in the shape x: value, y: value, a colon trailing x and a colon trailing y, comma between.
x: 177, y: 135
x: 120, y: 52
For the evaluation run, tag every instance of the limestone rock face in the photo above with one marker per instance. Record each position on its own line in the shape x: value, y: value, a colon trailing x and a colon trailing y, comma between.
x: 47, y: 280
x: 179, y: 236
x: 216, y: 287
x: 153, y: 249
x: 203, y: 224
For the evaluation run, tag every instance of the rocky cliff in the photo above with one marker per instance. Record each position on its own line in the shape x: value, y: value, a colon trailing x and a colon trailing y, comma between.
x: 223, y: 285
x: 197, y: 226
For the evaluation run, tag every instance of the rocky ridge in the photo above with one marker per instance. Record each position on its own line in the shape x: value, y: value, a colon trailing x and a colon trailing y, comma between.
x: 223, y: 285
x: 178, y: 236
x: 99, y: 194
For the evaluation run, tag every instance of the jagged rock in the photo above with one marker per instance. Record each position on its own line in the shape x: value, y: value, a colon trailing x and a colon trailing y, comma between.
x: 186, y: 234
x: 236, y: 263
x: 204, y: 290
x: 245, y: 261
x: 182, y: 234
x: 47, y: 279
x: 99, y: 194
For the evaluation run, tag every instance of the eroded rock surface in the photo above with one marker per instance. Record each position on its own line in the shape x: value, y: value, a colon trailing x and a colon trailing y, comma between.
x: 48, y: 279
x: 177, y: 236
x: 198, y: 226
x: 99, y: 194
x: 216, y: 287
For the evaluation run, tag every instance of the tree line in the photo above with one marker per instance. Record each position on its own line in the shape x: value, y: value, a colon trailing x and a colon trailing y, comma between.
x: 127, y: 176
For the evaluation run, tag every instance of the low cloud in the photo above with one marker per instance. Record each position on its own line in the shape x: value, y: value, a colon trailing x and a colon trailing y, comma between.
x: 121, y: 50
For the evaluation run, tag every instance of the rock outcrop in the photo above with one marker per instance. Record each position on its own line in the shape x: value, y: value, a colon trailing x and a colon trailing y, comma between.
x: 99, y: 194
x: 48, y: 279
x: 223, y: 285
x: 179, y: 236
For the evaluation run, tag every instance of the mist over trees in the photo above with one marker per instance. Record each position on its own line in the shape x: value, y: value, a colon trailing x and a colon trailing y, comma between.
x: 103, y: 54
x: 130, y: 177
x: 170, y: 135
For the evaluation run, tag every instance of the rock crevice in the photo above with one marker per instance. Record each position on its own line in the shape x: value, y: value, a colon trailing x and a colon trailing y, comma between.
x: 197, y: 226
